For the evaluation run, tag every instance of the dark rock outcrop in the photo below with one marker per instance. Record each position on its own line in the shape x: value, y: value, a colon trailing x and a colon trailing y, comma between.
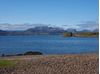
x: 32, y: 53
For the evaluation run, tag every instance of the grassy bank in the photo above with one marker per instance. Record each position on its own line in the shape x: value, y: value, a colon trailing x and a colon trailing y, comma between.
x: 6, y: 63
x: 54, y: 64
x: 84, y: 34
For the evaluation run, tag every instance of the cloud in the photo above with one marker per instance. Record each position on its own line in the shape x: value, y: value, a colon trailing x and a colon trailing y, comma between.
x: 6, y: 26
x: 70, y: 26
x: 90, y: 25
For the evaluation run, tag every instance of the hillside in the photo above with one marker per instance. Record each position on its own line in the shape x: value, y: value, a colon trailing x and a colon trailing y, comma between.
x: 46, y: 30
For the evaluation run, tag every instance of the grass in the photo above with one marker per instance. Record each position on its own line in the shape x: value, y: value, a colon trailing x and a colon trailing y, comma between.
x: 6, y: 63
x: 62, y: 64
x: 88, y: 34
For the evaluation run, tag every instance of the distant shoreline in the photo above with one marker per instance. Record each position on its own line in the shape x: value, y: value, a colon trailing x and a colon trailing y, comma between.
x: 40, y: 53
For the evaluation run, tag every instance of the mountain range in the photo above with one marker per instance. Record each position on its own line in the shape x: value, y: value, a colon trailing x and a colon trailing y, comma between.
x: 44, y: 30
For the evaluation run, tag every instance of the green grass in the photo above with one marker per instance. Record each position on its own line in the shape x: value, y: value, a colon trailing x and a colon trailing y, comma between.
x: 7, y: 63
x: 67, y: 34
x: 87, y: 34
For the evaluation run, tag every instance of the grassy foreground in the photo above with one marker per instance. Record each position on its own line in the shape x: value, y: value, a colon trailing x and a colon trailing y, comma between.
x: 52, y: 64
x: 6, y: 63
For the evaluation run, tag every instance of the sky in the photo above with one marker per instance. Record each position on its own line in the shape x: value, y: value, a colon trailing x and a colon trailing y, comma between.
x: 65, y: 13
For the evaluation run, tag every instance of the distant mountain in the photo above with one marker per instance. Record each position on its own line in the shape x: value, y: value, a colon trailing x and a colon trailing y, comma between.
x: 44, y: 30
x: 3, y: 32
x: 96, y: 30
x: 35, y: 30
x: 71, y: 30
x: 85, y: 30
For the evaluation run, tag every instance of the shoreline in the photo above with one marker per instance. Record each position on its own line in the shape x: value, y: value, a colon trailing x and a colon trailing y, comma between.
x: 53, y: 64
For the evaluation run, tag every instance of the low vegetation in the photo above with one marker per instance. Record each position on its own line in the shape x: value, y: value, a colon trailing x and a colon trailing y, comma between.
x: 6, y: 63
x: 67, y: 34
x: 32, y: 53
x: 61, y: 64
x: 26, y: 53
x: 84, y: 34
x: 88, y: 34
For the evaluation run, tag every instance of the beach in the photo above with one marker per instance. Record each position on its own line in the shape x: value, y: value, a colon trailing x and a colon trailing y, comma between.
x: 52, y: 64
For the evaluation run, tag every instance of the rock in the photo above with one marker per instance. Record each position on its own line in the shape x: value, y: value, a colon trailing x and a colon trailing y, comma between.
x: 32, y: 53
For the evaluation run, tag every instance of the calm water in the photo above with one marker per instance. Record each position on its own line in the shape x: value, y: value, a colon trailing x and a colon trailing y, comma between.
x: 48, y: 44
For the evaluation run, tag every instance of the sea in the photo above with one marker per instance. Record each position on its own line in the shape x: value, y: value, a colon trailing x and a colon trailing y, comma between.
x: 48, y: 44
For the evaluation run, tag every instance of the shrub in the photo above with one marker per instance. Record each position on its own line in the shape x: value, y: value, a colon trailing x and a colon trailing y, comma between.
x: 32, y: 53
x: 66, y: 34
